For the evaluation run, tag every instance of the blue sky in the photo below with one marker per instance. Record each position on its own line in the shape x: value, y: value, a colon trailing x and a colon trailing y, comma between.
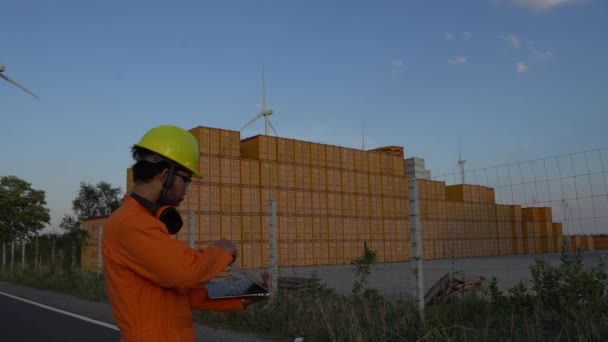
x: 513, y: 80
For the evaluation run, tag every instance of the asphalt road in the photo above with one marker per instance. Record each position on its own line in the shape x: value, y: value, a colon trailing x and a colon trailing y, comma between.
x: 52, y: 319
x: 27, y: 321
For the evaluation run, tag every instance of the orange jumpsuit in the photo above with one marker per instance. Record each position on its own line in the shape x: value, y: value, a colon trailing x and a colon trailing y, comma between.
x: 154, y: 281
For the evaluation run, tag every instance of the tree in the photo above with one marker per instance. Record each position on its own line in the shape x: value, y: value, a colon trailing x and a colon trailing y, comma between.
x: 92, y: 201
x: 96, y: 200
x: 22, y: 211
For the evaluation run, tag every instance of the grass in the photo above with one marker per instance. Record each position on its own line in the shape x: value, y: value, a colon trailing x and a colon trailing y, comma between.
x: 565, y: 303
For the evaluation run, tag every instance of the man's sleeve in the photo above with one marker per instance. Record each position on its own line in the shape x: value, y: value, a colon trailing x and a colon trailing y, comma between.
x: 154, y: 255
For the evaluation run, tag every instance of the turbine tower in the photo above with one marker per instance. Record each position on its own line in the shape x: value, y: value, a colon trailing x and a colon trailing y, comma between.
x: 264, y: 112
x: 461, y: 163
x: 6, y: 78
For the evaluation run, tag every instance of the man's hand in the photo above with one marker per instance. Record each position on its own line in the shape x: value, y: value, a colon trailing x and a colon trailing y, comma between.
x: 266, y: 280
x: 228, y: 246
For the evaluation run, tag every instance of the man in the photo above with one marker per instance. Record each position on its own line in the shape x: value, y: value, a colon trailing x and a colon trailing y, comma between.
x: 154, y: 281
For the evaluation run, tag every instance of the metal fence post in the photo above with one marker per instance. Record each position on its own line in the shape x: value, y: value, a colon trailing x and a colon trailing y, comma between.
x: 416, y: 241
x: 99, y: 254
x: 191, y: 228
x: 272, y: 246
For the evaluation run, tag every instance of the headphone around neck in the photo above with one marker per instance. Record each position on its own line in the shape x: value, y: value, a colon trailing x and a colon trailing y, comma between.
x: 166, y: 214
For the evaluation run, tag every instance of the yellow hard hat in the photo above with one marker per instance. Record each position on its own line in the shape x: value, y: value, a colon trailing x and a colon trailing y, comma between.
x: 173, y: 143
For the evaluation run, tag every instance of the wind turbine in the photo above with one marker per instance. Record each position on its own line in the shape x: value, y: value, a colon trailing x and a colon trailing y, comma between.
x: 264, y: 112
x: 2, y: 75
x: 461, y: 162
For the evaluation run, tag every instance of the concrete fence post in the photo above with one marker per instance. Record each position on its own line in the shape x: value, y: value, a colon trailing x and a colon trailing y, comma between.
x: 416, y: 243
x: 272, y: 246
x: 191, y: 228
x: 99, y: 253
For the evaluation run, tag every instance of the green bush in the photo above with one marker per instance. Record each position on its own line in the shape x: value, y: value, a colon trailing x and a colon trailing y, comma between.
x: 565, y: 302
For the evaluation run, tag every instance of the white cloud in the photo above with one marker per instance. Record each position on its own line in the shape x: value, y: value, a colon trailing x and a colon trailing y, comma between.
x: 397, y: 63
x: 458, y: 60
x: 543, y: 55
x: 511, y: 39
x: 521, y: 67
x: 544, y: 5
x: 452, y: 36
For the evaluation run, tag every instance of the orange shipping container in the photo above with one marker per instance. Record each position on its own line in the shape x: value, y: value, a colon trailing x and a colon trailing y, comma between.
x: 318, y: 179
x: 286, y: 150
x: 251, y: 228
x: 303, y: 175
x: 231, y: 227
x: 333, y: 180
x: 374, y: 163
x: 335, y: 228
x: 361, y: 161
x: 347, y: 157
x: 302, y: 152
x: 318, y: 155
x: 361, y: 183
x: 209, y: 167
x: 285, y: 232
x: 350, y: 228
x: 287, y: 255
x: 336, y: 252
x: 332, y: 154
x: 252, y: 255
x: 363, y: 229
x: 260, y: 147
x: 320, y: 229
x: 388, y: 186
x: 304, y: 254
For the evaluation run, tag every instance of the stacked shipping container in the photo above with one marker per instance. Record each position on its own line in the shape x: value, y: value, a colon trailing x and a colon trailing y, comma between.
x: 333, y: 200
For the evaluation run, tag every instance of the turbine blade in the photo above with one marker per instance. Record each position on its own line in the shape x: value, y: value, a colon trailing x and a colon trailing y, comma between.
x: 274, y: 130
x: 17, y: 85
x: 252, y: 120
